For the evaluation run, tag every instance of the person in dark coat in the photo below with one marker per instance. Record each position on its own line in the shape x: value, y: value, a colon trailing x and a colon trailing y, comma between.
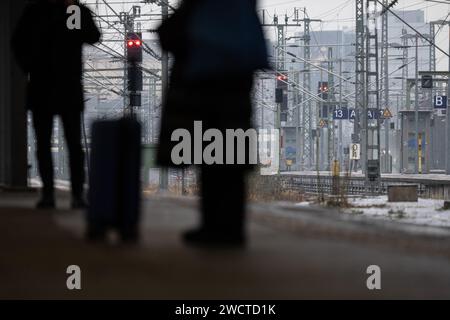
x: 218, y: 95
x: 50, y: 53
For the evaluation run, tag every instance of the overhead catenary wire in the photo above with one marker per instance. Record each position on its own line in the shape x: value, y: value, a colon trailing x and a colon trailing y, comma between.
x: 414, y: 29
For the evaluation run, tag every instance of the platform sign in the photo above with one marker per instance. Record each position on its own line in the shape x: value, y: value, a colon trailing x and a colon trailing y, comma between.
x: 440, y: 102
x: 374, y: 114
x: 355, y: 151
x: 340, y: 113
x: 371, y: 114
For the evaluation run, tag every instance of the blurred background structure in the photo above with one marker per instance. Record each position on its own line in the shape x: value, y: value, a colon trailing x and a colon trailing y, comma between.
x: 311, y: 55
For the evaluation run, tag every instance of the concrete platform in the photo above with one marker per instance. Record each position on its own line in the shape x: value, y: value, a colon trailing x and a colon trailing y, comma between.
x: 293, y: 253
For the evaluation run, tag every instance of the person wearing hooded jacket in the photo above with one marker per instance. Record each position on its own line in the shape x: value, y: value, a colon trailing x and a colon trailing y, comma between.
x: 50, y: 53
x: 217, y: 46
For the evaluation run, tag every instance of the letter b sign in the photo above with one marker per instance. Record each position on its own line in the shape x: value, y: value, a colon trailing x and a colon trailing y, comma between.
x: 440, y: 102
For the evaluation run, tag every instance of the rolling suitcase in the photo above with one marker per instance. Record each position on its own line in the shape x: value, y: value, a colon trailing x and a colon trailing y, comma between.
x: 114, y: 179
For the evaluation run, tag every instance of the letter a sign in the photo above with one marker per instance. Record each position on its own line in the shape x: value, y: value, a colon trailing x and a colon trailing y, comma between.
x: 355, y: 151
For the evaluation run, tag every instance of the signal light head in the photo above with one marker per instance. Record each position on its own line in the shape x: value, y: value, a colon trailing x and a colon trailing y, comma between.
x: 323, y: 87
x: 132, y: 43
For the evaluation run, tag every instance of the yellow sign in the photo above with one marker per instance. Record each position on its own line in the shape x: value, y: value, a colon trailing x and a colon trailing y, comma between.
x: 387, y: 113
x: 336, y: 168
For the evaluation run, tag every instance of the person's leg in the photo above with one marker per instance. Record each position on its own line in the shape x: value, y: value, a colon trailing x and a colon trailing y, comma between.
x: 43, y: 125
x: 223, y: 197
x: 72, y: 131
x: 222, y: 207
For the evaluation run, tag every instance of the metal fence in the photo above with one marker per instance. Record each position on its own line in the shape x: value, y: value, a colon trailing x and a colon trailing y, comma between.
x: 350, y: 185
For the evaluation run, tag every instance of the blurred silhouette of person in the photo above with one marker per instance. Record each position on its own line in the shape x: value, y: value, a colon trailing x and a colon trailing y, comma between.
x: 217, y: 46
x: 50, y: 53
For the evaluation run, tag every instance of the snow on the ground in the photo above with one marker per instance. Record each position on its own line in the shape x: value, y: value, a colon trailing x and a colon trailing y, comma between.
x: 302, y: 204
x: 59, y: 184
x: 424, y: 212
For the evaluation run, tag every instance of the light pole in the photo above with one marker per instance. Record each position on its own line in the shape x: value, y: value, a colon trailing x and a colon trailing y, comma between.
x: 340, y: 151
x: 416, y: 107
x: 404, y: 78
x: 447, y: 136
x: 416, y: 99
x: 164, y: 173
x: 441, y: 23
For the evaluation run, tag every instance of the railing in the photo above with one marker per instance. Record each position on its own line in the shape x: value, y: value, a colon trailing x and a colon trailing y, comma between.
x: 346, y: 185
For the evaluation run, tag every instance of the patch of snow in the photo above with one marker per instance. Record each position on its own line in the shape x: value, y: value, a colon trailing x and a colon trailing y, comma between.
x: 302, y: 204
x: 424, y: 212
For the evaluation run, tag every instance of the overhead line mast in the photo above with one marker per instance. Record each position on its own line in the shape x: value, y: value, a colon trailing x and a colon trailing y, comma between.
x: 385, y: 85
x: 371, y: 124
x: 307, y: 118
x: 360, y: 81
x: 307, y: 115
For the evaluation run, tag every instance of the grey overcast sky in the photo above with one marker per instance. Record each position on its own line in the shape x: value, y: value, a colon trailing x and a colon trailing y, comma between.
x: 341, y: 12
x: 338, y: 14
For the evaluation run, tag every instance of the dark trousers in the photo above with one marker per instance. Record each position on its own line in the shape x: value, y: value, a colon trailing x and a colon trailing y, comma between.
x: 43, y: 127
x: 223, y: 200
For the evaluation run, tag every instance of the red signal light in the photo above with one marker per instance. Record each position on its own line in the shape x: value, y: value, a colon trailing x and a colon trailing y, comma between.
x: 132, y: 43
x: 323, y: 87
